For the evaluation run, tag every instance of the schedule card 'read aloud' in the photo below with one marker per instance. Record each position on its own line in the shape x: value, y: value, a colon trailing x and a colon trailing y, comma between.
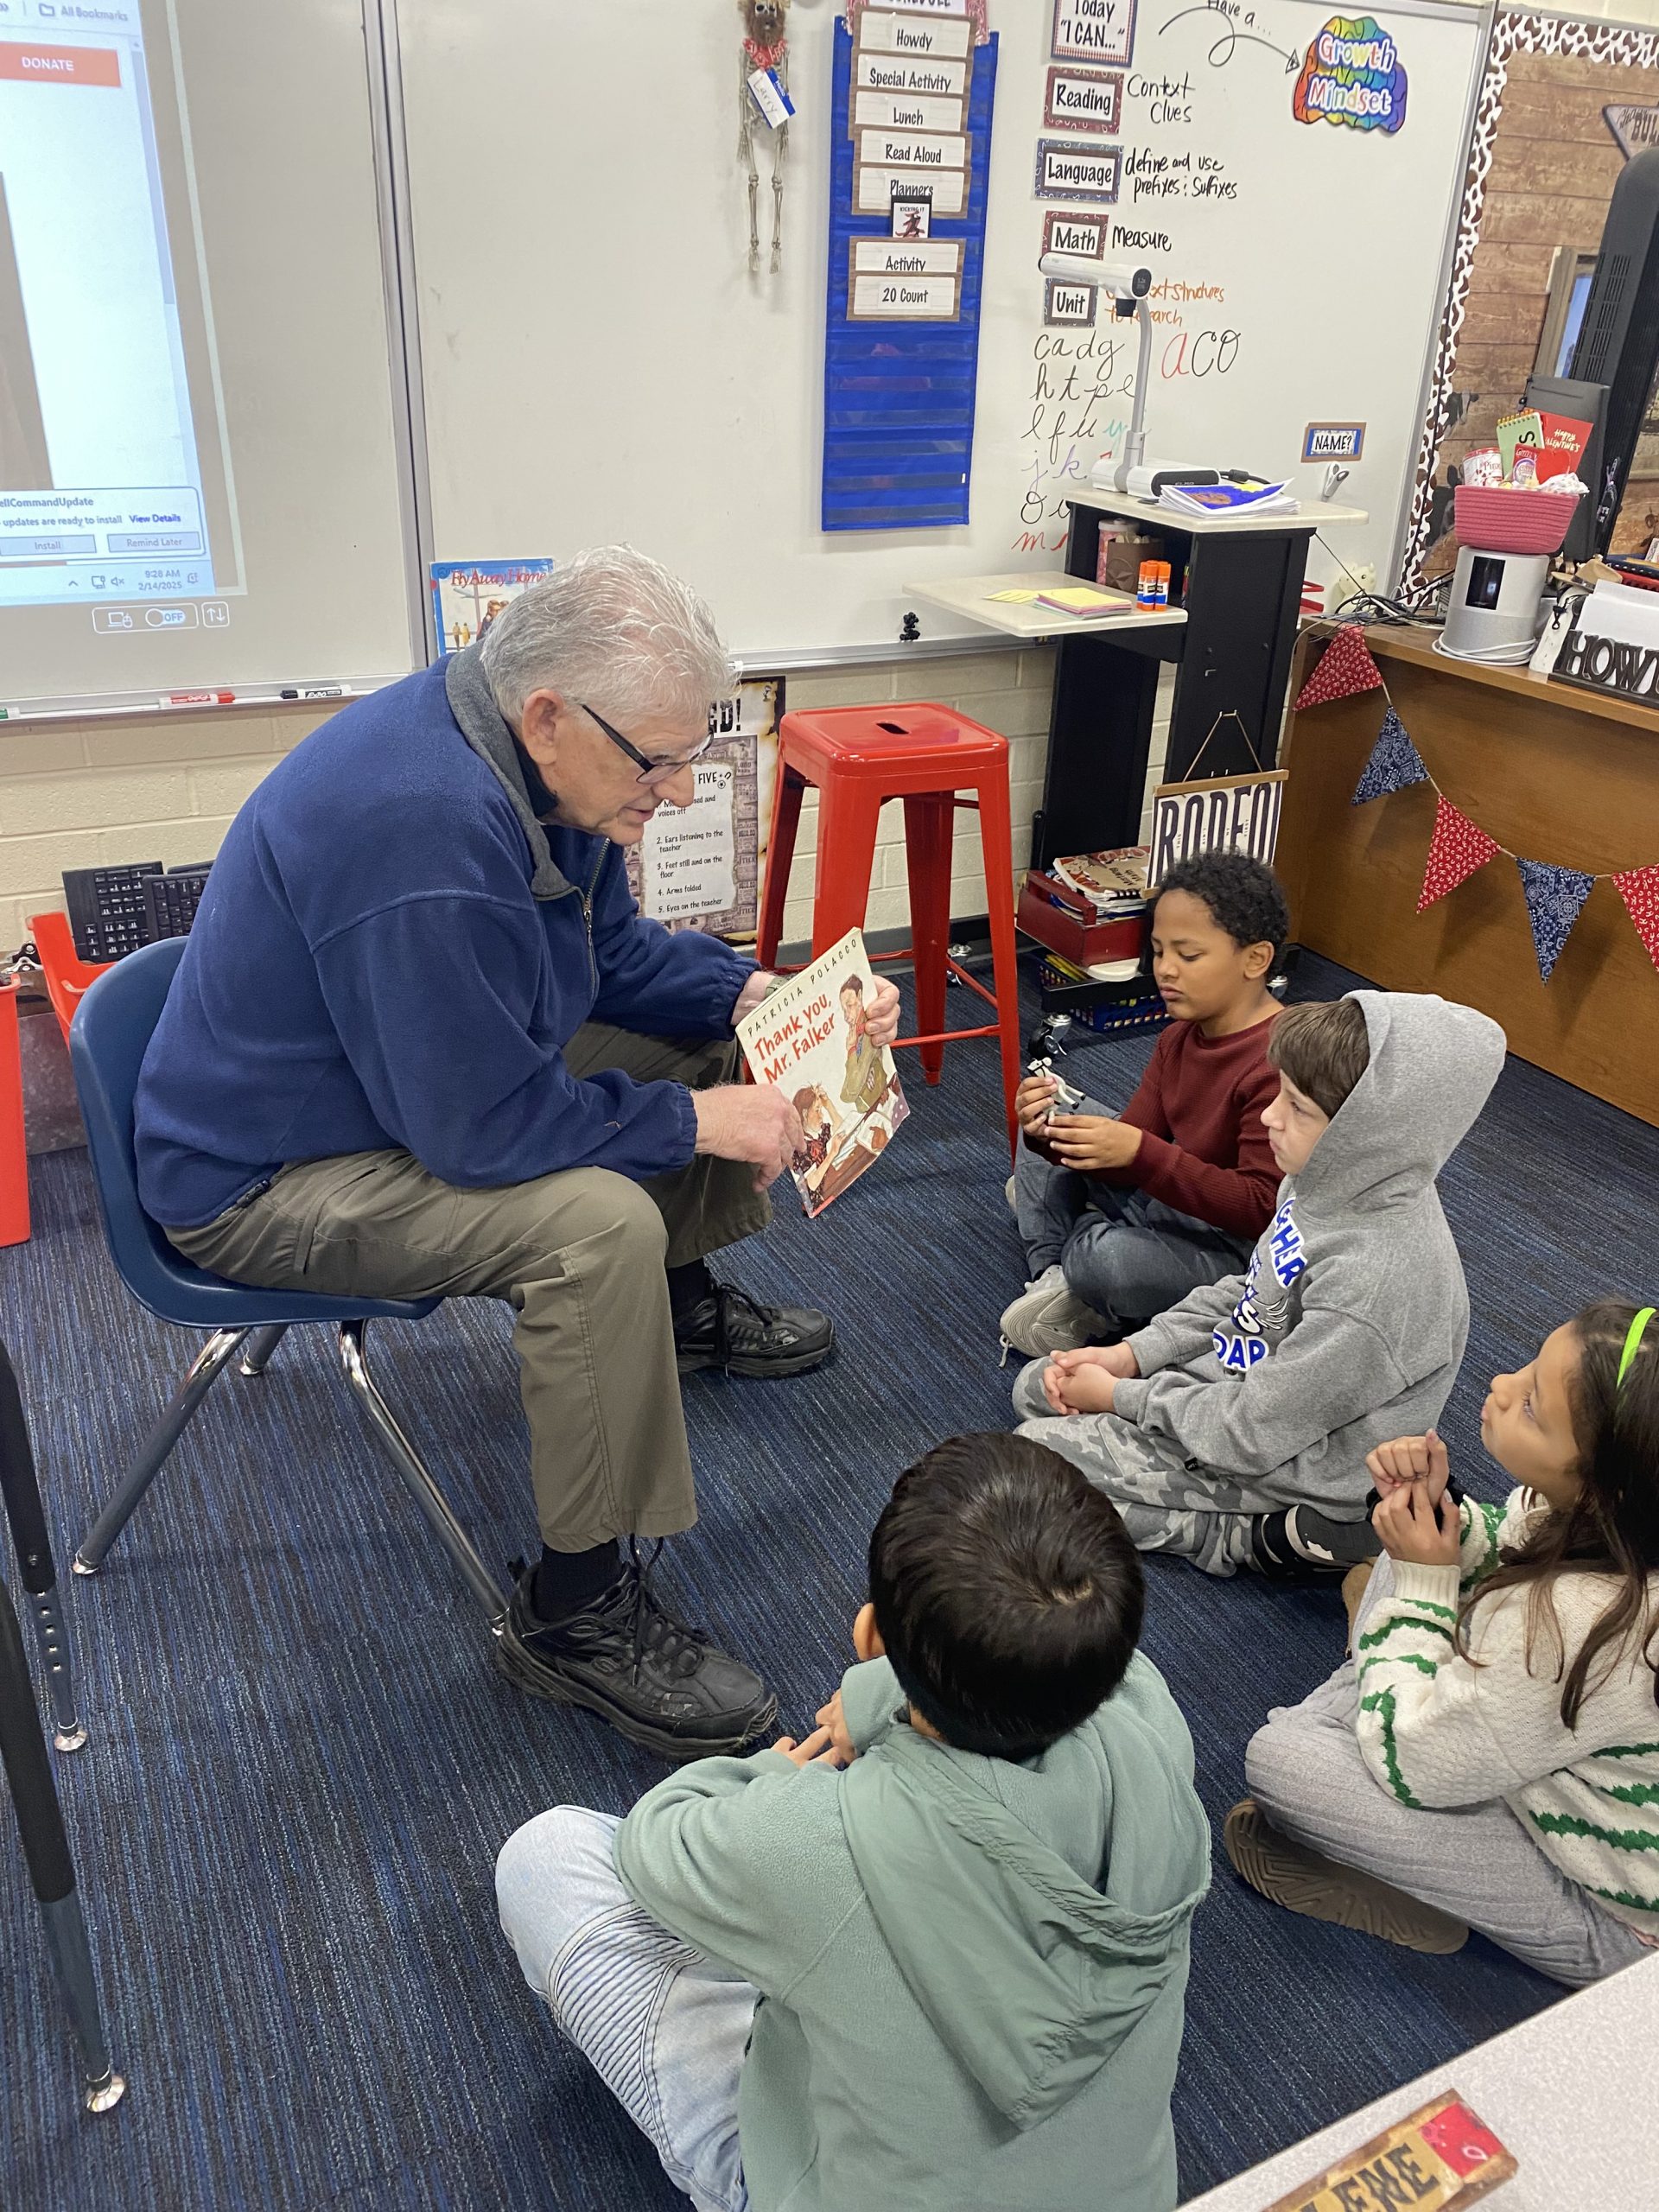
x: 811, y: 1038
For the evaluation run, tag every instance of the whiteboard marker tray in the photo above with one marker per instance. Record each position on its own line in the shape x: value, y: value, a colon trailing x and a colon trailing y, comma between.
x: 973, y: 598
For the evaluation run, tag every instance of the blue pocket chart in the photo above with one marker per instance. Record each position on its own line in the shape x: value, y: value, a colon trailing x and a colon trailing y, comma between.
x: 899, y: 397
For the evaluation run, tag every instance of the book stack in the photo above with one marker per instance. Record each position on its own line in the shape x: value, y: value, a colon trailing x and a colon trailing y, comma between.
x: 1237, y: 496
x: 1115, y: 883
x: 1091, y: 911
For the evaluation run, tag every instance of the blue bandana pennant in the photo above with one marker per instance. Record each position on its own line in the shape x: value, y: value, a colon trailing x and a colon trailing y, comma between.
x: 1395, y: 762
x: 1555, y: 897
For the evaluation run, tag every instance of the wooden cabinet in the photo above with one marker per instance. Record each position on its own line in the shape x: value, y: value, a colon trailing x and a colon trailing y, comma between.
x: 1550, y: 772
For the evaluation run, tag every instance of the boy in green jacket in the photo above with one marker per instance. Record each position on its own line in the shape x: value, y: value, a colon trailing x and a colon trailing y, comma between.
x: 934, y: 1955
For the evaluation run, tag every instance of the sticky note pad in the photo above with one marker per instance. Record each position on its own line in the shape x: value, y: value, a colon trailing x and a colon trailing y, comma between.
x: 1081, y: 599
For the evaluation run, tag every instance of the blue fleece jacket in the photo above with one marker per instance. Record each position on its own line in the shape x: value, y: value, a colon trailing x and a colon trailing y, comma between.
x: 391, y: 951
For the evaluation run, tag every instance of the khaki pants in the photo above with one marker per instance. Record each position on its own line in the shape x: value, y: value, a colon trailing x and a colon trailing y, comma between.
x: 580, y: 1256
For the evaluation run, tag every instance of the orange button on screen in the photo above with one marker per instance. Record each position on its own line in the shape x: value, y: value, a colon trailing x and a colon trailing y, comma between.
x: 60, y: 65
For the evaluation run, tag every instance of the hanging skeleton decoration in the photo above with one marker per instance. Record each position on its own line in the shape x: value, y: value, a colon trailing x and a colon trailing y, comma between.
x: 765, y: 46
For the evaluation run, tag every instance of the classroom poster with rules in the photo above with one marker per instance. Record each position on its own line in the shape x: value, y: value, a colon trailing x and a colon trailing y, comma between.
x: 700, y: 867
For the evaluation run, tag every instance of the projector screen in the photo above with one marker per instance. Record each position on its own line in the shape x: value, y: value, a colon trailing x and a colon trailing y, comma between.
x: 199, y: 481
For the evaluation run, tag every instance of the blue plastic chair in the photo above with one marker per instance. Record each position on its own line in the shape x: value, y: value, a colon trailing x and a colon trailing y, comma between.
x: 107, y: 1042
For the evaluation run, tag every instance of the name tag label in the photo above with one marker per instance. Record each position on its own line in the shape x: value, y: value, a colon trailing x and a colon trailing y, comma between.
x: 770, y: 97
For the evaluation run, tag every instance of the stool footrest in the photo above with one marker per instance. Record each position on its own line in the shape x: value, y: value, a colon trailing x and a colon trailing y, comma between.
x: 963, y: 975
x: 949, y: 1036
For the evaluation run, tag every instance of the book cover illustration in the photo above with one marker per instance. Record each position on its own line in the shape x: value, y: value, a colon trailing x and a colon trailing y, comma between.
x: 467, y: 595
x: 811, y: 1039
x: 1112, y: 882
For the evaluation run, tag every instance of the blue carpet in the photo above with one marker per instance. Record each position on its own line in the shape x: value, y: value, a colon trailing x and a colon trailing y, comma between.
x: 302, y: 1766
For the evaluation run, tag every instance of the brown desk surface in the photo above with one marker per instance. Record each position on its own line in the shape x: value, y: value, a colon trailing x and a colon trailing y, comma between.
x: 1416, y: 645
x: 1552, y: 772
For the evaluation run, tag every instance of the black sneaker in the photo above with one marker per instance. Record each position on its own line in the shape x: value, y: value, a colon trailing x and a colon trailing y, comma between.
x: 1301, y: 1545
x: 656, y: 1681
x: 736, y: 1333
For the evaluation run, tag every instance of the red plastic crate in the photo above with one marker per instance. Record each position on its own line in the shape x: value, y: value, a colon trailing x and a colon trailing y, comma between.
x: 68, y: 977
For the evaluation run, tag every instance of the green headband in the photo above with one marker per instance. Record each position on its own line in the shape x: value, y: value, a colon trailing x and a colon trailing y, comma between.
x: 1632, y: 1344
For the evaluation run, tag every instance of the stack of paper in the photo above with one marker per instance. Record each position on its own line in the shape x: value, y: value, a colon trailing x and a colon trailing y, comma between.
x: 1248, y: 497
x: 1083, y: 598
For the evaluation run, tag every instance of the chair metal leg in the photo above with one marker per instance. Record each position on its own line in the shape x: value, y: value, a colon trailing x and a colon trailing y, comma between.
x: 265, y: 1341
x: 416, y: 1476
x: 22, y: 1493
x: 46, y: 1848
x: 69, y: 1732
x: 209, y: 1364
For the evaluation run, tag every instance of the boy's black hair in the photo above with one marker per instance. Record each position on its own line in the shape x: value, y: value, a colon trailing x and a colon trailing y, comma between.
x: 1007, y: 1592
x: 1243, y: 896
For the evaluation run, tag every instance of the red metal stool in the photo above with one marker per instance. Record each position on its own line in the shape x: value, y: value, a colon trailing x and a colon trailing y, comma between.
x: 927, y: 755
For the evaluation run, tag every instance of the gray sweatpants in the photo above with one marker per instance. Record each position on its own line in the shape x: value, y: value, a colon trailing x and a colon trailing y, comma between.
x: 578, y: 1256
x: 1478, y: 1863
x: 1163, y: 1507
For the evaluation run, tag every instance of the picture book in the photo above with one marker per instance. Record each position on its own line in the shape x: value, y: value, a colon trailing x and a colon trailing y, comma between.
x: 1114, y: 882
x: 811, y: 1039
x: 467, y: 595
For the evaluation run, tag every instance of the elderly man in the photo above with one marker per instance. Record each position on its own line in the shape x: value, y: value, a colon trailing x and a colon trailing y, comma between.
x: 422, y: 1042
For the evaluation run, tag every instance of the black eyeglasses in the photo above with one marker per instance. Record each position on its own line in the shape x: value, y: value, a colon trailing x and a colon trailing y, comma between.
x: 651, y: 772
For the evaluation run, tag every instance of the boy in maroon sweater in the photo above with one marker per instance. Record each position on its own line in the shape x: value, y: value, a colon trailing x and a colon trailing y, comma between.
x: 1123, y: 1215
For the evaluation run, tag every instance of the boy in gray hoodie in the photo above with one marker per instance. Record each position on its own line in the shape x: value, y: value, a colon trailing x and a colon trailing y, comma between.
x: 1234, y: 1429
x: 936, y: 1955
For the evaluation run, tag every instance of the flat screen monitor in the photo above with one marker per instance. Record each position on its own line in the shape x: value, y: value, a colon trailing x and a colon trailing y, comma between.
x: 1582, y: 281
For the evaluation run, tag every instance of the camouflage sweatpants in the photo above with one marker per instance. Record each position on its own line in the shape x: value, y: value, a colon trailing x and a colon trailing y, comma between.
x: 1165, y: 1506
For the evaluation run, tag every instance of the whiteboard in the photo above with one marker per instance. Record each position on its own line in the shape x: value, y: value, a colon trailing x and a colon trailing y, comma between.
x: 198, y: 316
x: 598, y: 364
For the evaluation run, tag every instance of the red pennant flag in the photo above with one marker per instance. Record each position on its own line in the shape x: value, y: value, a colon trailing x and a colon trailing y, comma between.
x: 1345, y: 667
x: 1455, y: 851
x: 1639, y: 888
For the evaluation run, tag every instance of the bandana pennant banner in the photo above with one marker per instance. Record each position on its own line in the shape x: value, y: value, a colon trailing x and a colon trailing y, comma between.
x: 1555, y: 898
x: 1395, y: 763
x: 1456, y: 851
x: 1639, y: 888
x: 1345, y: 668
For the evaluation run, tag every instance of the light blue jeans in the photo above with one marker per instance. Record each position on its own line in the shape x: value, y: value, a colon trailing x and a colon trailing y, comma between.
x: 1127, y: 1256
x: 666, y: 2031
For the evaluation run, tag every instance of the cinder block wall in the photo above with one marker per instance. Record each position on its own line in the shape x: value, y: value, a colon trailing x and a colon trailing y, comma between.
x: 151, y: 787
x: 1008, y: 692
x: 165, y: 787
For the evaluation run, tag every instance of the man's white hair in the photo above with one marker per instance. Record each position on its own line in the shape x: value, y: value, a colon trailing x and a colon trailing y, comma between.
x: 611, y: 629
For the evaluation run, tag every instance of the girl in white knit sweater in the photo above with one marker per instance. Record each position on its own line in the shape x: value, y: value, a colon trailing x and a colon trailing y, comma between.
x: 1488, y: 1758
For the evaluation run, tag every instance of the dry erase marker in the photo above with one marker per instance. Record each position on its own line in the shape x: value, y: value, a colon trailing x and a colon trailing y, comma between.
x: 196, y: 699
x: 315, y: 691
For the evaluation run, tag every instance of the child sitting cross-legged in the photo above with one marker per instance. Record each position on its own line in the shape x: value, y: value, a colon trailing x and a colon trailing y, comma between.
x: 1234, y: 1429
x: 935, y: 1954
x: 1488, y: 1758
x: 1122, y: 1215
